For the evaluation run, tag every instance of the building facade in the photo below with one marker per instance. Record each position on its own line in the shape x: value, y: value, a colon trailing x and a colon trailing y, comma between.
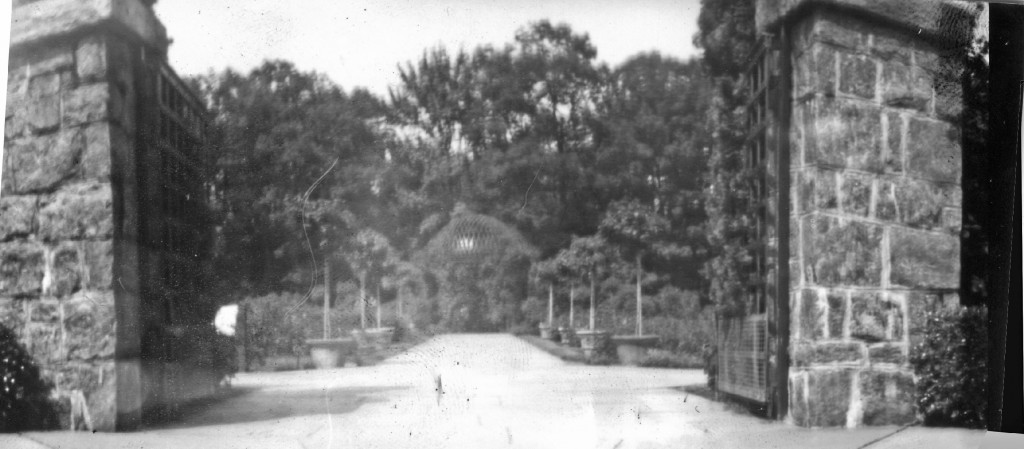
x: 104, y: 223
x: 854, y: 122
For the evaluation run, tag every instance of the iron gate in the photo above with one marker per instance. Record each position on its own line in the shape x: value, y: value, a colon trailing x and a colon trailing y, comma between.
x: 752, y: 356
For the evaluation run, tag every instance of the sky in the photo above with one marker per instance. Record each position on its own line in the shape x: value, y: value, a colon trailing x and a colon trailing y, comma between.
x: 360, y: 43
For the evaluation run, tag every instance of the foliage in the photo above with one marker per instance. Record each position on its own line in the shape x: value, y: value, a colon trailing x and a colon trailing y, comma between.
x: 25, y: 402
x: 280, y: 323
x: 727, y: 36
x: 275, y: 133
x: 950, y: 363
x: 201, y: 346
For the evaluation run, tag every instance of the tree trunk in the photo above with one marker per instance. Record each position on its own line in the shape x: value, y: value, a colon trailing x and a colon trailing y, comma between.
x: 362, y: 301
x: 378, y: 306
x: 592, y: 305
x: 572, y: 299
x: 551, y: 305
x: 639, y: 307
x: 327, y: 299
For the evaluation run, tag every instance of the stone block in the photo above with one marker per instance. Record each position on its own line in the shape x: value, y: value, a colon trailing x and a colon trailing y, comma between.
x: 18, y: 216
x: 887, y: 353
x: 824, y: 353
x: 845, y: 133
x: 838, y: 30
x: 40, y: 164
x: 42, y: 114
x: 45, y: 85
x: 64, y: 271
x: 885, y: 201
x: 798, y: 398
x: 98, y: 259
x: 812, y: 315
x: 13, y: 314
x: 924, y: 259
x: 819, y: 190
x: 952, y: 219
x: 857, y: 76
x: 815, y: 71
x: 856, y: 195
x: 887, y: 398
x: 91, y: 58
x: 21, y: 269
x: 90, y: 103
x: 51, y: 58
x: 82, y: 212
x: 949, y: 98
x: 89, y: 325
x: 44, y: 341
x: 45, y: 311
x: 836, y: 314
x: 840, y: 252
x: 919, y: 304
x: 920, y: 204
x: 891, y: 46
x: 933, y: 150
x: 869, y: 317
x: 828, y: 397
x: 103, y: 399
x: 96, y: 159
x: 905, y: 86
x: 892, y: 153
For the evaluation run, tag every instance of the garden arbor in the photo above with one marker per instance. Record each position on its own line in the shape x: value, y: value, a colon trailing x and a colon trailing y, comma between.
x: 482, y: 265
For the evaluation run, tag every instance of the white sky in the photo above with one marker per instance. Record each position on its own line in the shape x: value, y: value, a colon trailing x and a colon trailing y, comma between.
x: 359, y: 43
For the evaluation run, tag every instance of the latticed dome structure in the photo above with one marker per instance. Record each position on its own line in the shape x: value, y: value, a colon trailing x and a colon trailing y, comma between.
x: 469, y: 236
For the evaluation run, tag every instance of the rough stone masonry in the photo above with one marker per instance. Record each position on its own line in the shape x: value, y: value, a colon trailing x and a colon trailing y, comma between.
x: 69, y: 281
x: 875, y: 197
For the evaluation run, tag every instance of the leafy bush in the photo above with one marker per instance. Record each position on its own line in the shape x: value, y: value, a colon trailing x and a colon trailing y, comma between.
x: 950, y: 362
x: 25, y: 402
x: 659, y: 358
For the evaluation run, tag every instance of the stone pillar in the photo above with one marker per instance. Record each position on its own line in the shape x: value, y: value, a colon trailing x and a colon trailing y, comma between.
x: 875, y: 197
x: 68, y: 264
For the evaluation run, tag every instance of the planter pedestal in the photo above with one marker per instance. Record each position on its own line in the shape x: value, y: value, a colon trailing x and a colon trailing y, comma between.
x: 377, y: 338
x: 548, y: 333
x: 632, y: 349
x: 568, y: 337
x: 330, y: 353
x: 591, y: 341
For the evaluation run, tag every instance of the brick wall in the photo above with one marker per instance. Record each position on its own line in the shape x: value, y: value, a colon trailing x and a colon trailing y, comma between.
x: 68, y: 108
x: 876, y: 213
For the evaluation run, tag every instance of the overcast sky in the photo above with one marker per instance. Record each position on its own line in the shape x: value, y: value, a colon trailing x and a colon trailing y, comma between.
x: 359, y: 43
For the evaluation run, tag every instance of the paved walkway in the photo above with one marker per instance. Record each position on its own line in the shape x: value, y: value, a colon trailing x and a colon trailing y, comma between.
x: 478, y: 391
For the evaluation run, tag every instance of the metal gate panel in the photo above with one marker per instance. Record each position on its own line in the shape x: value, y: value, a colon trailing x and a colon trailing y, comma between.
x: 742, y: 362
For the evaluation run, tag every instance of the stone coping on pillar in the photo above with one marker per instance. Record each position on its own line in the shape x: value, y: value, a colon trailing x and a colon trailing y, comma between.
x: 945, y: 20
x: 33, y: 22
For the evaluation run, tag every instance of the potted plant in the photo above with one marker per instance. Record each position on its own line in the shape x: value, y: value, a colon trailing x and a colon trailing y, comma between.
x: 370, y: 256
x: 329, y: 352
x: 587, y: 256
x: 636, y: 230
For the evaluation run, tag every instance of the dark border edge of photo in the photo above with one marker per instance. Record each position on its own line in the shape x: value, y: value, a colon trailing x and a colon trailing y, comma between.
x: 1006, y: 401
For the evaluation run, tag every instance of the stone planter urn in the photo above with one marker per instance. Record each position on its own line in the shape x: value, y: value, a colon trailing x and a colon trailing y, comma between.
x: 377, y: 338
x: 568, y: 336
x: 632, y: 349
x: 548, y: 332
x: 330, y: 353
x: 591, y: 340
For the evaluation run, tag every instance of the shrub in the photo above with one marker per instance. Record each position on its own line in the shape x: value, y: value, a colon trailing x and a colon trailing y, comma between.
x: 950, y: 363
x: 25, y: 402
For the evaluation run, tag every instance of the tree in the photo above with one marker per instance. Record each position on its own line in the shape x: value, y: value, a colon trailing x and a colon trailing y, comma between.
x: 274, y: 134
x: 368, y: 253
x: 726, y: 33
x: 636, y: 230
x: 588, y: 256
